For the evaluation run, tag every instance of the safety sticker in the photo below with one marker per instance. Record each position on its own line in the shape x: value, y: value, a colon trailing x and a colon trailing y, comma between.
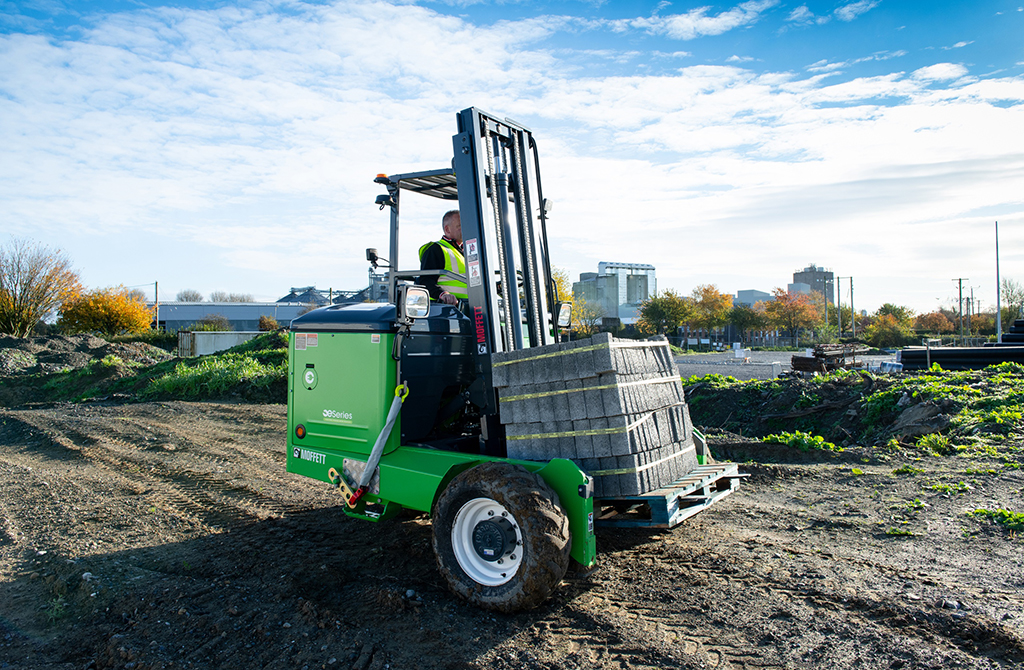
x: 474, y: 273
x: 375, y: 338
x: 471, y: 250
x: 481, y: 349
x: 300, y: 342
x: 311, y: 340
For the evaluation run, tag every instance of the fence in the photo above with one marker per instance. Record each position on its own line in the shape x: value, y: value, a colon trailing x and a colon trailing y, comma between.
x: 204, y: 342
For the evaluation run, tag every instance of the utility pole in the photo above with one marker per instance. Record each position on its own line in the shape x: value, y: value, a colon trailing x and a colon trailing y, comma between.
x: 853, y: 315
x: 999, y: 303
x: 839, y: 304
x: 960, y: 305
x: 156, y: 303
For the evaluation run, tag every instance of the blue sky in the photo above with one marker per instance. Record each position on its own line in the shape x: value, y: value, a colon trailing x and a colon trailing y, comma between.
x: 232, y: 146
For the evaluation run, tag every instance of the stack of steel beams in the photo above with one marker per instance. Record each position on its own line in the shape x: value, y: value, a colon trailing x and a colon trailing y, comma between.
x: 614, y: 407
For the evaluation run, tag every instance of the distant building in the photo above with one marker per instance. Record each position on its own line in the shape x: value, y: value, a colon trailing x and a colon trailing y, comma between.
x: 798, y: 287
x: 308, y: 295
x: 819, y: 280
x: 617, y: 289
x: 750, y: 297
x: 175, y: 316
x: 376, y: 291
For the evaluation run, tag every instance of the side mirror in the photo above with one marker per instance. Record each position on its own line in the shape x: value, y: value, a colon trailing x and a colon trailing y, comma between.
x: 413, y: 303
x: 564, y: 314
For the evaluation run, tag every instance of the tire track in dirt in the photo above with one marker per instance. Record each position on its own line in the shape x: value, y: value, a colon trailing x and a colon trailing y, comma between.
x: 196, y: 497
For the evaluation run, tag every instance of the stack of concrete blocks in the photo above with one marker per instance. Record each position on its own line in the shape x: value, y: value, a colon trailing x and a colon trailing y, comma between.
x: 614, y: 407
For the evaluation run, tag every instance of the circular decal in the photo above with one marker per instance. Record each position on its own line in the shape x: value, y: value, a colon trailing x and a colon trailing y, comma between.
x: 309, y: 378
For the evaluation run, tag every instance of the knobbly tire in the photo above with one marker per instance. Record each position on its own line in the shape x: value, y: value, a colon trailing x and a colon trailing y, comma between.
x: 501, y: 508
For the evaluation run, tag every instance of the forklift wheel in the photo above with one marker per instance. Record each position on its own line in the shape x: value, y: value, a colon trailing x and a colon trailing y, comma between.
x: 501, y: 538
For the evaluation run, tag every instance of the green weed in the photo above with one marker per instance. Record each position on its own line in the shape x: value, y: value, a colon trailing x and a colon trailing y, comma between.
x: 959, y: 488
x: 1011, y: 520
x: 907, y: 470
x: 801, y: 441
x: 935, y: 444
x: 900, y: 532
x: 56, y: 609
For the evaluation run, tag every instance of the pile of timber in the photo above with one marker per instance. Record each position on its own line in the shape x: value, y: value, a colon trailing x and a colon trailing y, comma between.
x: 828, y: 357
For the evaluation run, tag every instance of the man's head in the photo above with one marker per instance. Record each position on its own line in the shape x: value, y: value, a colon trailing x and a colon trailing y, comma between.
x: 452, y: 224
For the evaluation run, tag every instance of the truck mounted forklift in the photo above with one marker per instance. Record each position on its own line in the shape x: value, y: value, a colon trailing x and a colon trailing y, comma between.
x: 394, y: 403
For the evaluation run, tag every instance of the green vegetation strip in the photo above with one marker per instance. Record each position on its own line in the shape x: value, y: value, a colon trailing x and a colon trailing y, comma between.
x: 802, y: 441
x: 1011, y: 520
x: 985, y: 409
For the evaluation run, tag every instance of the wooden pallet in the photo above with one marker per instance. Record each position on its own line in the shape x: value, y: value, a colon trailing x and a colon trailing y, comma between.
x: 671, y: 505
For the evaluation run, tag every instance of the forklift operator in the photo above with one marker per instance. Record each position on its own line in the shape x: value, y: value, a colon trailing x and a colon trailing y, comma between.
x: 445, y: 254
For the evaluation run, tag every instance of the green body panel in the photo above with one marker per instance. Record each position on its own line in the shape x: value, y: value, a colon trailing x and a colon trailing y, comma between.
x: 345, y: 410
x: 353, y: 386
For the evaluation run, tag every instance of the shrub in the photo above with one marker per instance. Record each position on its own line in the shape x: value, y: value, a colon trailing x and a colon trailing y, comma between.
x: 888, y: 331
x: 110, y: 311
x: 268, y: 323
x: 212, y: 322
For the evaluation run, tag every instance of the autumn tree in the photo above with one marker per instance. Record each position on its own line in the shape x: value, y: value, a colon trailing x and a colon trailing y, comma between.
x: 888, y: 331
x: 746, y: 319
x: 663, y: 313
x: 34, y: 281
x: 563, y: 285
x: 710, y: 307
x: 934, y: 322
x: 189, y: 295
x: 983, y: 324
x: 790, y: 311
x: 904, y: 315
x: 586, y: 316
x: 110, y: 311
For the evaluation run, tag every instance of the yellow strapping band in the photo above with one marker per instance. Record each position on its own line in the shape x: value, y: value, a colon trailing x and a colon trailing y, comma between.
x: 545, y: 394
x: 580, y: 350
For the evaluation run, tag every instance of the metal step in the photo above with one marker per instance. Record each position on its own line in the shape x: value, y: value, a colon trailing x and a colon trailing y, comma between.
x: 669, y: 506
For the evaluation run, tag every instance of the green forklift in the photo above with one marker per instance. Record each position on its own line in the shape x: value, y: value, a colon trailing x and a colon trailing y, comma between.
x: 394, y: 403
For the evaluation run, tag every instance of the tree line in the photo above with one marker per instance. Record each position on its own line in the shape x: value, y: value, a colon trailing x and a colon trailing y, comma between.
x: 38, y: 282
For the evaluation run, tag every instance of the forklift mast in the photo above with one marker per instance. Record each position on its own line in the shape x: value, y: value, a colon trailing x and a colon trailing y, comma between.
x: 495, y: 177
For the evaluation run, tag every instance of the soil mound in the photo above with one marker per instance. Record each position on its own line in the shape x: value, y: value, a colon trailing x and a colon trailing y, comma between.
x: 61, y: 353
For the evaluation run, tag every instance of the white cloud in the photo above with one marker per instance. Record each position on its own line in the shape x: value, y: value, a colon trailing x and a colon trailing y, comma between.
x: 240, y: 143
x: 958, y: 45
x: 696, y: 23
x: 939, y: 72
x: 805, y: 17
x: 738, y: 59
x: 854, y: 9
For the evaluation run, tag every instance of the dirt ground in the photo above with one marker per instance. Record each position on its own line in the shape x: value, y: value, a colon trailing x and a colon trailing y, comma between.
x: 168, y: 535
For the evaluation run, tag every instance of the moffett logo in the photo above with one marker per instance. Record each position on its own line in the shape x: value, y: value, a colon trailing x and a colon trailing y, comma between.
x: 307, y: 455
x: 481, y: 332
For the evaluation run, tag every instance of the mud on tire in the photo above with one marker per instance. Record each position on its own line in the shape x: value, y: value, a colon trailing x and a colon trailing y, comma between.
x: 531, y: 571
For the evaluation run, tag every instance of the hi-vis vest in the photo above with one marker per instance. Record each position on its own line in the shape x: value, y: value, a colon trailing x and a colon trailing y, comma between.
x: 453, y: 262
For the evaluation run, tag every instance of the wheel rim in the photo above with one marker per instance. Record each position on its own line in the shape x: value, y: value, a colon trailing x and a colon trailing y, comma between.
x: 481, y: 571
